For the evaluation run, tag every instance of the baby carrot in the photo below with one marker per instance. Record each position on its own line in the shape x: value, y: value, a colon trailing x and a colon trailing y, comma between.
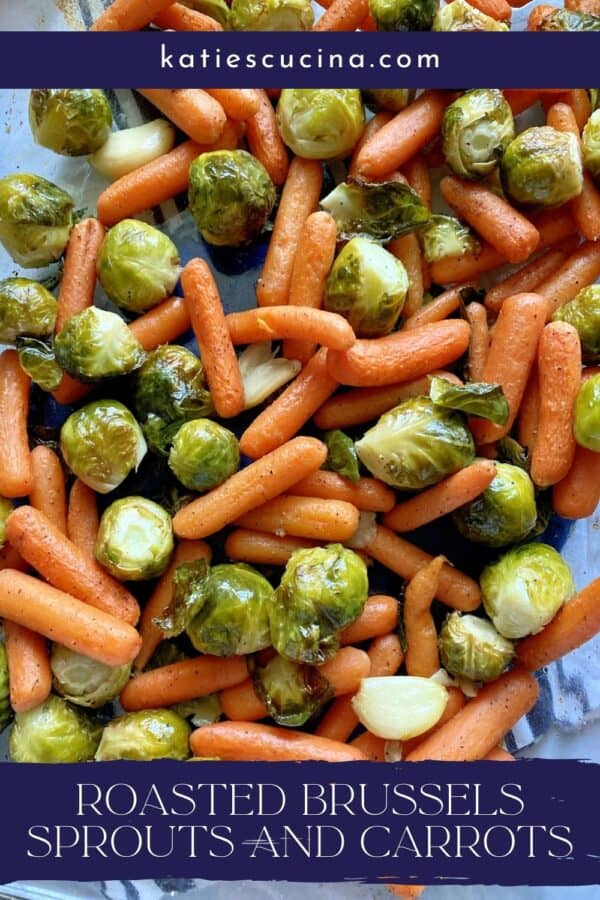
x: 499, y: 754
x: 241, y: 703
x: 367, y: 494
x: 370, y: 130
x: 239, y: 103
x: 379, y: 616
x: 29, y: 673
x: 251, y: 741
x: 441, y: 307
x: 458, y: 269
x: 71, y: 391
x: 578, y: 494
x: 151, y: 634
x: 406, y: 891
x: 251, y: 486
x: 221, y: 367
x: 400, y: 356
x: 496, y: 9
x: 265, y: 142
x: 82, y: 517
x: 178, y: 17
x: 511, y: 355
x: 559, y: 372
x: 67, y: 567
x: 66, y: 620
x: 579, y: 99
x: 422, y: 655
x: 343, y: 15
x: 182, y: 681
x: 48, y: 493
x: 129, y: 15
x: 455, y: 589
x: 527, y: 422
x: 578, y: 271
x: 520, y: 100
x: 372, y: 746
x: 528, y: 278
x: 483, y: 722
x: 408, y: 251
x: 441, y: 499
x: 309, y: 517
x: 553, y: 225
x: 286, y: 415
x: 262, y: 548
x: 162, y: 324
x: 16, y: 471
x: 456, y: 701
x: 10, y: 559
x: 76, y: 290
x: 416, y: 172
x: 299, y: 197
x: 197, y: 114
x: 274, y: 323
x: 537, y: 16
x: 479, y: 344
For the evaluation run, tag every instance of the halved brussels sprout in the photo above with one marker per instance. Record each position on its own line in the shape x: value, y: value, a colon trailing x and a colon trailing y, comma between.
x: 590, y: 141
x: 135, y: 539
x: 381, y: 211
x: 95, y: 344
x: 6, y: 507
x: 341, y: 455
x: 6, y: 712
x: 542, y: 166
x: 204, y: 454
x: 322, y: 590
x: 143, y: 735
x: 72, y: 122
x: 524, y: 589
x: 586, y: 426
x: 583, y: 313
x: 138, y: 265
x: 471, y: 648
x: 271, y: 15
x: 36, y: 357
x: 102, y: 443
x: 291, y: 691
x: 416, y: 444
x: 504, y: 514
x: 367, y: 285
x: 476, y: 398
x: 444, y: 236
x: 476, y: 130
x: 399, y: 707
x: 216, y: 9
x: 36, y: 218
x: 231, y: 197
x: 392, y: 100
x: 403, y: 15
x: 569, y: 20
x: 234, y: 617
x: 461, y: 16
x: 26, y: 307
x: 54, y: 732
x: 85, y: 681
x: 263, y: 372
x: 320, y: 124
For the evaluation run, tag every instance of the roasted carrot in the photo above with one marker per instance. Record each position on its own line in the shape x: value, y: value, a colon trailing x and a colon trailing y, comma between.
x: 343, y: 15
x: 437, y: 309
x: 308, y: 517
x: 261, y: 548
x: 66, y: 620
x: 82, y: 517
x: 29, y: 673
x: 379, y: 616
x: 239, y: 103
x: 458, y: 269
x: 251, y: 741
x: 422, y: 655
x: 241, y: 703
x: 416, y: 172
x: 496, y: 9
x: 371, y: 128
x: 578, y: 494
x: 16, y: 470
x: 527, y: 422
x: 483, y: 722
x: 554, y: 225
x: 372, y: 746
x: 162, y: 324
x: 407, y: 891
x: 528, y: 278
x: 456, y: 701
x: 579, y: 99
x: 367, y: 494
x: 520, y: 100
x: 197, y: 114
x: 10, y: 559
x: 182, y: 681
x: 48, y: 493
x: 291, y: 409
x: 274, y: 323
x: 71, y: 391
x: 537, y: 16
x: 479, y: 343
x: 265, y: 142
x: 255, y: 484
x: 129, y: 15
x: 578, y: 271
x: 499, y: 754
x: 64, y: 565
x: 78, y: 281
x: 455, y: 589
x: 178, y: 17
x: 585, y: 6
x: 408, y: 250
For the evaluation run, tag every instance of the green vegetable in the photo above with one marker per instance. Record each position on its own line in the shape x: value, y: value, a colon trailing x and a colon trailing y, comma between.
x: 188, y: 597
x: 476, y: 130
x: 6, y: 507
x: 390, y: 100
x: 203, y: 711
x: 216, y: 9
x: 54, y: 732
x: 461, y: 16
x: 482, y: 399
x: 272, y: 15
x: 95, y: 344
x: 524, y: 589
x: 85, y: 681
x: 416, y: 444
x: 148, y: 734
x: 37, y: 358
x: 322, y: 591
x: 471, y: 648
x: 36, y: 218
x: 138, y: 265
x: 504, y: 513
x: 234, y: 618
x: 70, y: 122
x: 381, y: 211
x: 26, y: 307
x: 403, y: 15
x: 542, y: 166
x: 102, y: 443
x: 583, y: 313
x: 320, y: 124
x: 569, y: 20
x: 6, y: 712
x: 291, y: 691
x: 204, y: 454
x: 367, y: 285
x: 135, y: 539
x: 586, y: 426
x: 590, y: 141
x: 341, y: 455
x: 231, y: 197
x: 444, y: 236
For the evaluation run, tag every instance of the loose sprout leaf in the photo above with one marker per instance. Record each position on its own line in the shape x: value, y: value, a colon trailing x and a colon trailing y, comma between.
x: 291, y: 691
x: 569, y: 20
x: 487, y: 401
x: 510, y: 451
x: 202, y: 711
x: 381, y: 211
x: 37, y: 359
x: 189, y: 595
x: 341, y: 455
x: 446, y: 236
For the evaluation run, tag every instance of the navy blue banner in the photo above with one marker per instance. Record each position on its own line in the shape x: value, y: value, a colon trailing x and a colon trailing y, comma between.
x: 262, y: 59
x: 531, y: 822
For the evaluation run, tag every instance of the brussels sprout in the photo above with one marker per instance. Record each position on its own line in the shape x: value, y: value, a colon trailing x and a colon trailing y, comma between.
x: 36, y: 357
x: 542, y: 166
x: 85, y: 681
x: 416, y: 444
x: 26, y: 307
x: 471, y: 648
x: 389, y: 100
x: 504, y: 514
x: 525, y: 588
x: 234, y: 617
x: 367, y: 285
x: 291, y: 691
x: 476, y: 130
x: 586, y: 426
x: 461, y: 16
x: 231, y: 197
x: 70, y: 122
x: 341, y: 454
x: 6, y: 507
x: 54, y: 732
x: 272, y: 15
x: 143, y: 735
x: 216, y: 9
x: 135, y: 539
x: 203, y: 711
x: 477, y: 398
x: 381, y: 211
x: 6, y: 712
x: 569, y: 20
x: 403, y: 15
x: 320, y: 124
x: 95, y: 344
x: 322, y: 590
x: 138, y: 265
x: 36, y: 218
x: 594, y: 98
x: 444, y: 236
x: 102, y: 443
x: 188, y: 597
x: 583, y: 312
x: 204, y: 454
x: 590, y: 140
x: 263, y: 372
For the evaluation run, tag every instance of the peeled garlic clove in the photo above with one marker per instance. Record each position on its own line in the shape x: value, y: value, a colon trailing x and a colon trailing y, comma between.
x: 131, y: 148
x: 399, y: 707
